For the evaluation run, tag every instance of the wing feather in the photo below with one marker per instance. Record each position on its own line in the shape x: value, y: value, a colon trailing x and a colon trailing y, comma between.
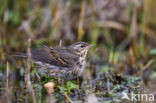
x: 59, y: 56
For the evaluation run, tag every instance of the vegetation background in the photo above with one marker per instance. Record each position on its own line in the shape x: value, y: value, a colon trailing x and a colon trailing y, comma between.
x: 123, y: 31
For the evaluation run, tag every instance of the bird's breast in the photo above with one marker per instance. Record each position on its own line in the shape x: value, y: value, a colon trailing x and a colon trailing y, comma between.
x: 80, y: 66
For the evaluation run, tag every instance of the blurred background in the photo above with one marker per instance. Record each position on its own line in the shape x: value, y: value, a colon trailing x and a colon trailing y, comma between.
x: 123, y: 31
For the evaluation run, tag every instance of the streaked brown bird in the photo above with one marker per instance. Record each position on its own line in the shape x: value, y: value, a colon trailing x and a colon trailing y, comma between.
x: 65, y: 62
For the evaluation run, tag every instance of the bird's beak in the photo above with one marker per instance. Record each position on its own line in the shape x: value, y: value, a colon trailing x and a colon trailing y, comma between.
x: 91, y: 45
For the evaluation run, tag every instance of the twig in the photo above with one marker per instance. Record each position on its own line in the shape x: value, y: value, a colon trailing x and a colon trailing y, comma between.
x: 111, y: 24
x: 65, y: 93
x: 0, y: 41
x: 27, y: 75
x: 60, y: 43
x: 134, y: 27
x: 7, y: 93
x: 7, y: 76
x: 26, y: 27
x: 145, y: 67
x: 146, y: 30
x: 108, y: 86
x: 81, y: 20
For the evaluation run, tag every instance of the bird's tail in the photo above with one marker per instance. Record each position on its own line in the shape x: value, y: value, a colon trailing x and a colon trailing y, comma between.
x: 24, y: 55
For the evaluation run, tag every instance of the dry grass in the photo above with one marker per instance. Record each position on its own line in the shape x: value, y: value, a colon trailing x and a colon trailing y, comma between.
x: 123, y: 32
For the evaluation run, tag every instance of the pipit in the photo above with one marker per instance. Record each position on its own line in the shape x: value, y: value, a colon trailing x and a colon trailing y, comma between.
x: 64, y: 62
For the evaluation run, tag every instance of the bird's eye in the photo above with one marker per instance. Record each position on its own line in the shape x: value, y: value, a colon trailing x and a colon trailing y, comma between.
x: 82, y: 46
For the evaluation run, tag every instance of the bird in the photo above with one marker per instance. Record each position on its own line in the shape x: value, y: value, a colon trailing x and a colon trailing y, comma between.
x: 66, y: 62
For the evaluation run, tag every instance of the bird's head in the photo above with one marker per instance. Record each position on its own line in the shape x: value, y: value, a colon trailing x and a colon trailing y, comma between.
x: 81, y: 48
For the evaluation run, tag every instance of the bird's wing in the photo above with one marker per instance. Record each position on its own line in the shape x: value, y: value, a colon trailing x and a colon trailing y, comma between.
x: 54, y: 56
x: 66, y: 55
